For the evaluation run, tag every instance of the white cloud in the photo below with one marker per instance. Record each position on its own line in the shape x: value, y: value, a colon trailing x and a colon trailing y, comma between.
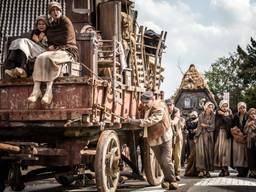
x: 189, y: 40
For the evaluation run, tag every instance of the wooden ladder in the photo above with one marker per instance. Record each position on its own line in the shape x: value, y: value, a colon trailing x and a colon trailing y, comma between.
x: 140, y: 60
x: 154, y: 72
x: 109, y: 59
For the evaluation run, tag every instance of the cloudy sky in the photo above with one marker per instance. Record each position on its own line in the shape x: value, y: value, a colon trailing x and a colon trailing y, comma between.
x: 199, y: 31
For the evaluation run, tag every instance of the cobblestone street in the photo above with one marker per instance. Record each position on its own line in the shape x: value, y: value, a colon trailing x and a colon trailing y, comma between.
x: 190, y: 184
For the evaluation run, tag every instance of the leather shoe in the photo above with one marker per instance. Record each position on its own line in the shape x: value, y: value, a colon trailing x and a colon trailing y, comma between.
x: 173, y: 185
x: 177, y: 178
x: 169, y: 185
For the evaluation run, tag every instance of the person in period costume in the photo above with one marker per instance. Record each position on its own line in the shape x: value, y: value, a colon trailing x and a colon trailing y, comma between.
x: 250, y: 131
x: 222, y: 150
x: 205, y: 140
x: 157, y: 130
x: 23, y: 50
x: 177, y: 122
x: 240, y: 159
x: 191, y: 125
x: 62, y: 49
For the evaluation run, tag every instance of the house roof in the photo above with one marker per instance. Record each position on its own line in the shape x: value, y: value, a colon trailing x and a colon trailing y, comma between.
x: 18, y: 17
x: 193, y: 81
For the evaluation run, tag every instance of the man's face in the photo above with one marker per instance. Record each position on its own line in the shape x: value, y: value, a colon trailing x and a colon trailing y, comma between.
x: 148, y: 103
x: 170, y: 107
x: 55, y: 13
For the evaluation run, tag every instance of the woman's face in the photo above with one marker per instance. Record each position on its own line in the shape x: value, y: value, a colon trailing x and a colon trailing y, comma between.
x: 242, y: 109
x: 209, y: 109
x: 224, y: 107
x: 55, y: 13
x: 41, y: 25
x: 253, y: 115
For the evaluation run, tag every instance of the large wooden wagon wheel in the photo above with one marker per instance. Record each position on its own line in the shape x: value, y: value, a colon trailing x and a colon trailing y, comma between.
x: 107, y: 161
x: 152, y: 168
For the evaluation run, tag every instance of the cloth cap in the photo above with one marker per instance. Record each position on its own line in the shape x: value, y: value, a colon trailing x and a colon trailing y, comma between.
x: 193, y: 113
x: 251, y: 110
x: 41, y: 18
x: 240, y: 104
x: 169, y: 101
x: 54, y: 4
x: 222, y: 102
x: 207, y: 104
x: 146, y: 96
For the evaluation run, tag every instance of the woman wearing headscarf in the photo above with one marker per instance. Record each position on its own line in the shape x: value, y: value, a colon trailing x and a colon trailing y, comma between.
x: 62, y: 49
x: 191, y: 125
x: 23, y: 50
x: 205, y: 140
x: 240, y: 159
x: 222, y: 150
x: 250, y: 131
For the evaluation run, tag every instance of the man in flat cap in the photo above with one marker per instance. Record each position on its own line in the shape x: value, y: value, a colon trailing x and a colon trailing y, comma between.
x: 62, y: 49
x: 177, y: 123
x: 157, y: 130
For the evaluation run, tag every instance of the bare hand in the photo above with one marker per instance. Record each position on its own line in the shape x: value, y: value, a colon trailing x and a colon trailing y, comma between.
x: 41, y: 36
x: 51, y: 48
x: 35, y: 38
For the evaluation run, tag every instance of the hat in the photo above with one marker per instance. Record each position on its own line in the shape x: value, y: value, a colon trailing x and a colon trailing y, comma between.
x: 146, y: 96
x: 193, y: 113
x: 54, y: 4
x: 240, y: 104
x: 169, y: 101
x: 222, y: 102
x: 207, y: 104
x: 41, y: 18
x: 251, y: 110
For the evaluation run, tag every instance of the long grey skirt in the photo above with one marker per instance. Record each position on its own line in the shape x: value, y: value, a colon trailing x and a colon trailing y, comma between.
x: 222, y: 150
x: 204, y: 151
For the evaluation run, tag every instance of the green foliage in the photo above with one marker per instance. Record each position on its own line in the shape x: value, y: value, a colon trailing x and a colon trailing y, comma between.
x: 249, y: 96
x: 235, y: 74
x: 223, y: 77
x: 247, y: 68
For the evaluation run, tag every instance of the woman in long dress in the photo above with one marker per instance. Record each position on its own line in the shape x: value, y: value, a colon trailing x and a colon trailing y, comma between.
x: 250, y: 131
x: 222, y: 150
x: 191, y: 125
x: 240, y: 159
x: 205, y: 140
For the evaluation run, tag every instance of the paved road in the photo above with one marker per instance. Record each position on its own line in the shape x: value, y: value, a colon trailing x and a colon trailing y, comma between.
x: 215, y: 183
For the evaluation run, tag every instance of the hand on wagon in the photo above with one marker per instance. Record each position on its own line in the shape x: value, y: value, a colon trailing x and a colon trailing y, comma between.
x: 133, y: 121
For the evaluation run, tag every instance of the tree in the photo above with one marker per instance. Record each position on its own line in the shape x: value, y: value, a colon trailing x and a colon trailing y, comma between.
x: 247, y: 68
x: 247, y: 72
x: 223, y: 77
x: 249, y: 96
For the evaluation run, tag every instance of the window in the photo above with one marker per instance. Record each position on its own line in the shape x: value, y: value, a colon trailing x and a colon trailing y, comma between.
x: 187, y: 103
x: 81, y: 6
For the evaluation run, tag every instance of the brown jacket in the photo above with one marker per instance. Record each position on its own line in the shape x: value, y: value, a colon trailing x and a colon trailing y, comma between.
x: 157, y: 121
x: 61, y: 34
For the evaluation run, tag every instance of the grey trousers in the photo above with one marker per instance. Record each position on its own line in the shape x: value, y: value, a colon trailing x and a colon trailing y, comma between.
x: 163, y: 155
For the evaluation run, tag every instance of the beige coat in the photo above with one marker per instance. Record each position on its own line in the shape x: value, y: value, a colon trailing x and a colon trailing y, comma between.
x: 156, y: 124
